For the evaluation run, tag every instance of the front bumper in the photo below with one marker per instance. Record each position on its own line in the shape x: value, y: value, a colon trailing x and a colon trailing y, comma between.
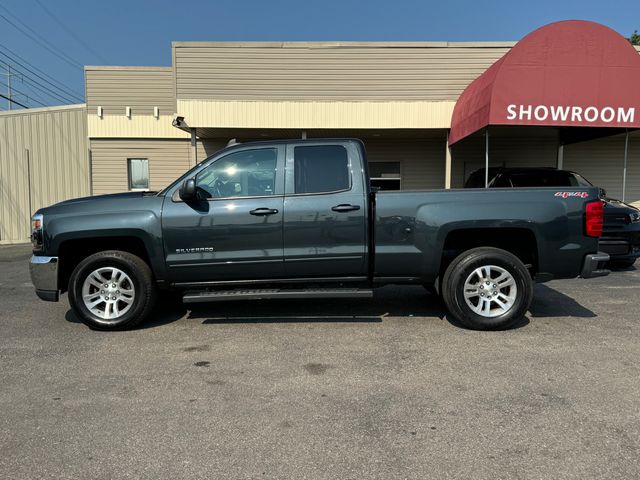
x: 44, y: 276
x: 594, y: 265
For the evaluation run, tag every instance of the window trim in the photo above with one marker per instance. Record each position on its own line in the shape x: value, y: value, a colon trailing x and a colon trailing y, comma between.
x: 290, y: 167
x: 129, y: 182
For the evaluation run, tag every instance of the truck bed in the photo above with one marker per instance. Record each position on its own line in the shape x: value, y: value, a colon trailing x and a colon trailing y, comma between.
x: 411, y: 224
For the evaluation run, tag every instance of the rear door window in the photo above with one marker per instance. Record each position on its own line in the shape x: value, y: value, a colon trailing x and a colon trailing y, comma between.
x: 321, y: 169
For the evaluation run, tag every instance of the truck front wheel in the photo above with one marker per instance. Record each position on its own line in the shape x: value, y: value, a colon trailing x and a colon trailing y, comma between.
x: 487, y: 289
x: 112, y: 290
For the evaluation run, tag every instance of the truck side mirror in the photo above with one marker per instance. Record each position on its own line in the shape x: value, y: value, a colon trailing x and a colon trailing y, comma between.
x: 603, y: 192
x: 188, y: 190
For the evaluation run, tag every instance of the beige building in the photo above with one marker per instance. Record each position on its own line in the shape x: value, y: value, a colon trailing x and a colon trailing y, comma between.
x: 397, y: 97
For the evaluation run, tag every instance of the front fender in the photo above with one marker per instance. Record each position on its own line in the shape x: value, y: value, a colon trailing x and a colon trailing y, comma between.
x: 144, y: 225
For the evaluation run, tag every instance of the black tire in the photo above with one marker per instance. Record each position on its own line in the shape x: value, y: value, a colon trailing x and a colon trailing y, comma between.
x: 143, y: 286
x: 462, y: 267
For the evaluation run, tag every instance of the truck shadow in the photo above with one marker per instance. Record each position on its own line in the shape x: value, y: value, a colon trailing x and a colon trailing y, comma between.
x: 391, y: 301
x: 548, y: 302
x: 387, y: 302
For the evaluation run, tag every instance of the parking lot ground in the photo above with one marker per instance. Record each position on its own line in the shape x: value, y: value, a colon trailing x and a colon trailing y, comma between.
x: 339, y: 389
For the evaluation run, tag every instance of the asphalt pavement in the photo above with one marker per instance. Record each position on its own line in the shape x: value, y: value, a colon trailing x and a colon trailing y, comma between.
x: 324, y: 389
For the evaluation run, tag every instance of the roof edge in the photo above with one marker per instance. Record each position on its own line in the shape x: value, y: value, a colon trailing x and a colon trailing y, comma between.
x: 338, y: 44
x: 127, y: 67
x: 26, y: 111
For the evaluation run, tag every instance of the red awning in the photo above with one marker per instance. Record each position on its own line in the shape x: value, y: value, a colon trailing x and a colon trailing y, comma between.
x: 567, y: 74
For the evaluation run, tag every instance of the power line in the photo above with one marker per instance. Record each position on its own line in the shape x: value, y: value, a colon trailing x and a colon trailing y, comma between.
x: 15, y: 90
x: 11, y: 88
x: 34, y: 94
x: 9, y: 92
x: 34, y: 84
x: 12, y: 101
x: 71, y: 33
x: 51, y: 80
x: 34, y: 36
x: 65, y: 91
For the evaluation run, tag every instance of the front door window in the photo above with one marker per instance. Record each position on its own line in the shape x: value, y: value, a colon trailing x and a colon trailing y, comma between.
x: 249, y: 173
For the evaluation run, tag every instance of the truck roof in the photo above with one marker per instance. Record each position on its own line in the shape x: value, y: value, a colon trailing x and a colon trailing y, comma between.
x: 293, y: 140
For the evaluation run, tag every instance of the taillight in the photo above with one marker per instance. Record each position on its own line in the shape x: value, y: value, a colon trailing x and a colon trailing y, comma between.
x: 594, y: 218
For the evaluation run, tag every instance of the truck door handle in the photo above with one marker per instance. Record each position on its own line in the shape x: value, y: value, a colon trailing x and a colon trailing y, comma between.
x: 264, y: 211
x: 345, y: 207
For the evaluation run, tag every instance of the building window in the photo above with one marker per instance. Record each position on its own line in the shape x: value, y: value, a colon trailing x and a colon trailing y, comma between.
x: 385, y: 175
x: 138, y: 173
x: 321, y: 169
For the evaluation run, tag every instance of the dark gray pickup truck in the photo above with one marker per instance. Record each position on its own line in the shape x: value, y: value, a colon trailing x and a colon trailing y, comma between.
x: 298, y: 219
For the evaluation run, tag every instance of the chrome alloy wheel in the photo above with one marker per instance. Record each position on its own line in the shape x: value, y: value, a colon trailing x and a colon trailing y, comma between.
x: 108, y: 293
x: 490, y: 291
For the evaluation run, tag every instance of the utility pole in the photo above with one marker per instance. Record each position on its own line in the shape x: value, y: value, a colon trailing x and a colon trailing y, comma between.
x: 10, y: 100
x: 9, y: 96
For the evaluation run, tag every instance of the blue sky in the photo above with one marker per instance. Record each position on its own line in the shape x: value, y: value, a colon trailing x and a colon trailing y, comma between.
x: 116, y: 32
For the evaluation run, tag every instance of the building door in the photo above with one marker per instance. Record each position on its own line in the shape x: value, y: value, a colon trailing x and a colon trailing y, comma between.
x: 324, y: 212
x: 233, y: 231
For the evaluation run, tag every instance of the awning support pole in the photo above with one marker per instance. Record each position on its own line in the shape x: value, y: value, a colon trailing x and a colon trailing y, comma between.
x: 624, y: 168
x: 560, y: 157
x: 486, y: 158
x: 560, y: 160
x: 447, y: 163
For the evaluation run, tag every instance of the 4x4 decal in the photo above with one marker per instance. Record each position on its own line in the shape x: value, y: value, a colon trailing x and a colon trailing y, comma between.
x: 572, y: 194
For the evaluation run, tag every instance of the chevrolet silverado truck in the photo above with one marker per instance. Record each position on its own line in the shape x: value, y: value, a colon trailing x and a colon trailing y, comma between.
x: 299, y: 219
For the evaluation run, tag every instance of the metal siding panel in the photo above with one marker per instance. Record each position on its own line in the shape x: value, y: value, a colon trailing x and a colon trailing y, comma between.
x: 138, y: 126
x: 206, y: 148
x: 56, y: 141
x: 421, y: 161
x: 601, y: 162
x: 168, y: 159
x: 328, y: 73
x: 316, y: 115
x: 140, y: 88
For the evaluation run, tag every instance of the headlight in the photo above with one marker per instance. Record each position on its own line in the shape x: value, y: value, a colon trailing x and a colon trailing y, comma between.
x: 37, y: 228
x: 634, y: 217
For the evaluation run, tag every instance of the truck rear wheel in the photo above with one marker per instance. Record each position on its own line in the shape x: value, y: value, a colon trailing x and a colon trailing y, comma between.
x: 487, y: 289
x: 112, y: 290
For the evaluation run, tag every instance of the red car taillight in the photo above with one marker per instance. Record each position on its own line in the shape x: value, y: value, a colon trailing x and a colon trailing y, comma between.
x: 594, y: 218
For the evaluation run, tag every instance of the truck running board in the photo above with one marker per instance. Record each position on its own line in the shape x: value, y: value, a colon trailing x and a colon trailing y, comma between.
x: 261, y: 294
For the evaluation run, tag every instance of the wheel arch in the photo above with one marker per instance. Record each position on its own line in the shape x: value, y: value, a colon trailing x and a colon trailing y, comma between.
x: 519, y: 241
x: 73, y: 250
